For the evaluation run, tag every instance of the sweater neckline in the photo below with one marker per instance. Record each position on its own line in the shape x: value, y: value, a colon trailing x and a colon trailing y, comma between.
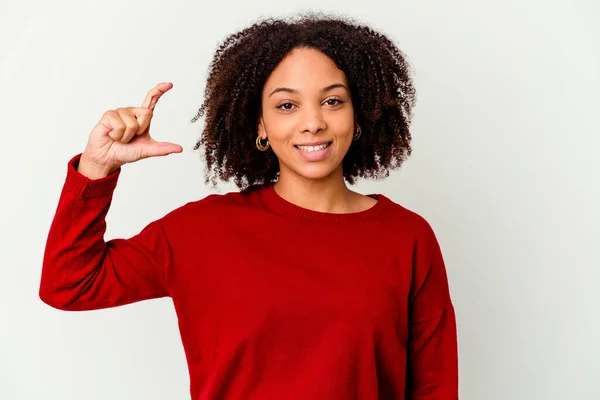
x: 280, y: 205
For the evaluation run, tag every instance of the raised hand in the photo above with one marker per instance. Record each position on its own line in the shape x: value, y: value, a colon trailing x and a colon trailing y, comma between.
x: 123, y: 136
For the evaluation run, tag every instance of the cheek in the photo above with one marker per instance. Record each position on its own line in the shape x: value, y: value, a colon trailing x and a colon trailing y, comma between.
x: 346, y: 130
x: 344, y: 122
x: 283, y: 128
x: 344, y: 143
x: 279, y: 129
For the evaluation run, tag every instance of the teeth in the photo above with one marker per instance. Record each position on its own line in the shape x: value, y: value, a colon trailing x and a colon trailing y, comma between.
x: 313, y: 148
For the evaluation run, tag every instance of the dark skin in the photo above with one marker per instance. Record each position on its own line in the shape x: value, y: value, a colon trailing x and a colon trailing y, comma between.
x: 373, y: 91
x: 306, y: 100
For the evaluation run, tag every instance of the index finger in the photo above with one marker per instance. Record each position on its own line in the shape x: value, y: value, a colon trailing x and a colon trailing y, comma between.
x: 155, y: 93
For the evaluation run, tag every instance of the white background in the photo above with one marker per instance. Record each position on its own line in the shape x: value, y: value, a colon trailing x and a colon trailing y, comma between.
x: 504, y: 168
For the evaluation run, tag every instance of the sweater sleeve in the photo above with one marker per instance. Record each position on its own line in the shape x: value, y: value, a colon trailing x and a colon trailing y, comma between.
x: 432, y: 347
x: 82, y: 271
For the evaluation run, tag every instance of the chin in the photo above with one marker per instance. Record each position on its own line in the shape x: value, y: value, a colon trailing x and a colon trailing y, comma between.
x: 315, y: 172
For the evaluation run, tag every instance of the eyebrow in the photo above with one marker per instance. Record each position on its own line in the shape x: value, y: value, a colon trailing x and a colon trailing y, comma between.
x: 325, y: 89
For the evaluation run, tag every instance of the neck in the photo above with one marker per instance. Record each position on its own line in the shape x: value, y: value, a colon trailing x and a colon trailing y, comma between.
x: 329, y: 194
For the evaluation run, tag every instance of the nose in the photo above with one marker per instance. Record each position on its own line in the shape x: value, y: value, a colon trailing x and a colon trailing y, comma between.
x: 313, y: 121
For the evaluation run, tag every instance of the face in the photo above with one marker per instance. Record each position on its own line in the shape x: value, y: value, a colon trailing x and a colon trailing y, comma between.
x: 307, y: 115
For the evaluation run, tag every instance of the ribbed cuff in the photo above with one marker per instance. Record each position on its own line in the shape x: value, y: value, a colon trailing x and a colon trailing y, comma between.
x: 82, y: 186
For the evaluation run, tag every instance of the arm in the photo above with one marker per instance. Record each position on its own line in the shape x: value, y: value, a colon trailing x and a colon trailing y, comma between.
x: 83, y: 272
x: 432, y: 370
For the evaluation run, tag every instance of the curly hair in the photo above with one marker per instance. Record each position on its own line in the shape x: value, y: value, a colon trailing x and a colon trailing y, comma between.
x: 377, y: 71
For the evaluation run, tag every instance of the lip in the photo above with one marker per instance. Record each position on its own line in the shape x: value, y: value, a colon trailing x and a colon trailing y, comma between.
x: 312, y: 156
x: 313, y: 143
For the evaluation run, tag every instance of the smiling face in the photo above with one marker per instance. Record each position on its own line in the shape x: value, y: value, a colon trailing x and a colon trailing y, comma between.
x: 307, y: 115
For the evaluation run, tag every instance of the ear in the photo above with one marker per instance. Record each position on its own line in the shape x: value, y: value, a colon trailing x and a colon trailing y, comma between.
x: 261, y: 129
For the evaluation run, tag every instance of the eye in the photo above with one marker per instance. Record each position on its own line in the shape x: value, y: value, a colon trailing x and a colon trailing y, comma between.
x: 285, y: 106
x: 333, y: 102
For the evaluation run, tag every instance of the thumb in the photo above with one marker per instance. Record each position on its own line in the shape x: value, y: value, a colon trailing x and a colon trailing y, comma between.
x: 158, y: 149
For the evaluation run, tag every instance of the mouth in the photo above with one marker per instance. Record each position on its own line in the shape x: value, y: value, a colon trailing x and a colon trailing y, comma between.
x: 314, y: 151
x: 313, y: 148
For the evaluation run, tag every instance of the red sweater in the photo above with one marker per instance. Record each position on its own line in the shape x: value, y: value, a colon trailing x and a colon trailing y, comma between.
x: 273, y: 301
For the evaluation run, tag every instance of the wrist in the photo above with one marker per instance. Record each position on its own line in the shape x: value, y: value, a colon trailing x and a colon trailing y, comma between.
x: 91, y: 170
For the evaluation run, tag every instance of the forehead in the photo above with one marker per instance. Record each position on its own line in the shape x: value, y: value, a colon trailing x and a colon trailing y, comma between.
x: 305, y: 70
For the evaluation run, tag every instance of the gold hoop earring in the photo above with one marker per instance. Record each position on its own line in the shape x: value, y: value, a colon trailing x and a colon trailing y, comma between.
x: 260, y: 146
x: 357, y: 133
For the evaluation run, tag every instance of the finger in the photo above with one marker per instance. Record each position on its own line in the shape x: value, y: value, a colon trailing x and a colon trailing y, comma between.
x: 131, y: 124
x: 113, y: 124
x: 155, y: 93
x: 144, y: 117
x: 159, y: 149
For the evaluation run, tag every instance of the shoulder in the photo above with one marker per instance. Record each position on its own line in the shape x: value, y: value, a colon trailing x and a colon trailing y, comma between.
x: 402, y: 219
x: 214, y: 206
x: 216, y: 203
x: 414, y: 235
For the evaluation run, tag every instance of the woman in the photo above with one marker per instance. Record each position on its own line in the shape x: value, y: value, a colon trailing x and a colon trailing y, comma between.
x: 295, y: 287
